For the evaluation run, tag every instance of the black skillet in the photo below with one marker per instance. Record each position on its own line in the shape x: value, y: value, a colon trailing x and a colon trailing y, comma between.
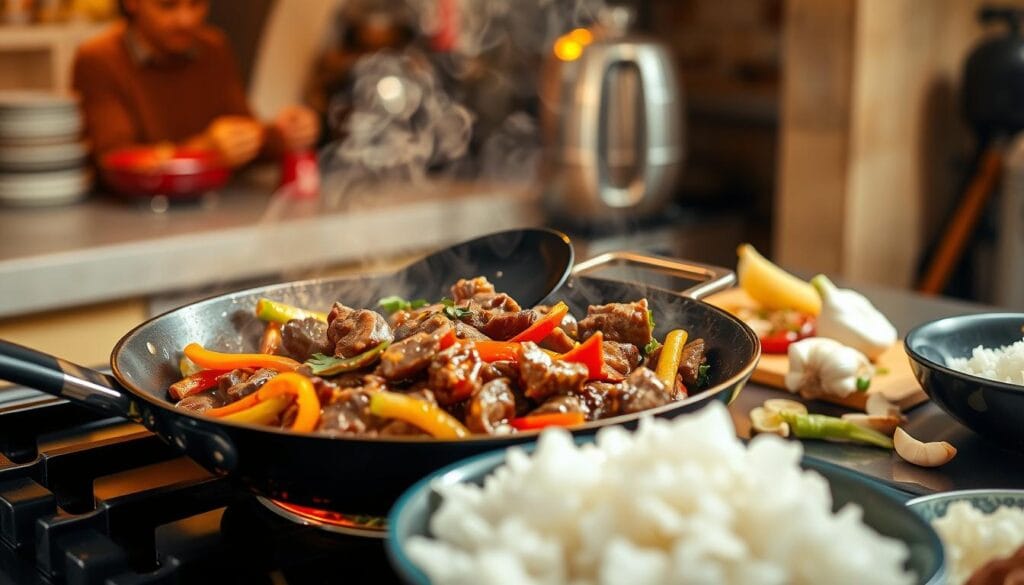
x: 364, y: 475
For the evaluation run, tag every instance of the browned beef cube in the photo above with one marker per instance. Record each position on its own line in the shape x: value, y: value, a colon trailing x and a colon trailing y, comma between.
x: 302, y: 338
x: 693, y: 357
x: 433, y: 323
x: 348, y: 413
x: 251, y: 384
x: 621, y: 357
x: 596, y: 396
x: 543, y: 378
x: 464, y: 289
x: 202, y: 402
x: 622, y: 322
x: 455, y: 374
x: 490, y: 407
x: 502, y: 326
x: 408, y: 357
x: 640, y: 391
x: 558, y: 341
x: 354, y: 331
x: 561, y: 404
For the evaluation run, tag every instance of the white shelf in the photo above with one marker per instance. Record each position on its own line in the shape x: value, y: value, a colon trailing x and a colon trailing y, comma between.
x: 40, y: 56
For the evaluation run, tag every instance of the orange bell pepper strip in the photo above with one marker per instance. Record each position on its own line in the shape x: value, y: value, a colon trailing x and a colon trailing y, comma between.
x: 194, y: 384
x: 447, y: 340
x: 287, y: 385
x: 271, y: 340
x: 590, y: 353
x: 215, y: 360
x: 429, y: 417
x: 542, y: 327
x: 497, y: 351
x: 554, y: 419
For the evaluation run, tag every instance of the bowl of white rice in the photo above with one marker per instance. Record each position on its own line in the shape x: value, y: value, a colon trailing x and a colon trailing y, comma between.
x: 975, y: 526
x: 677, y: 501
x: 972, y: 366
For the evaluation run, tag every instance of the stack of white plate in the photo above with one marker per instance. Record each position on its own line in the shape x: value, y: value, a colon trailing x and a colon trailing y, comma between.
x: 42, y: 158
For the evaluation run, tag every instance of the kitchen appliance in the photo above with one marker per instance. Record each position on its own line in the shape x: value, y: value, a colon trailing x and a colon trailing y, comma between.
x: 612, y: 123
x: 352, y: 473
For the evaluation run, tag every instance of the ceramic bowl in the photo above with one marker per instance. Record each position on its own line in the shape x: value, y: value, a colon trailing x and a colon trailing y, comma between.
x: 992, y: 409
x: 883, y: 507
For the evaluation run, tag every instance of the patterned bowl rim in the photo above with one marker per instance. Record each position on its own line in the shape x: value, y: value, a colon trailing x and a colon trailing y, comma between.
x: 922, y: 501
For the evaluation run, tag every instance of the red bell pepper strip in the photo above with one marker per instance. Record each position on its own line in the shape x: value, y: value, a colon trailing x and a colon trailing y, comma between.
x: 288, y: 384
x: 542, y: 327
x: 590, y: 353
x: 554, y: 419
x: 215, y: 360
x: 194, y: 384
x: 447, y: 340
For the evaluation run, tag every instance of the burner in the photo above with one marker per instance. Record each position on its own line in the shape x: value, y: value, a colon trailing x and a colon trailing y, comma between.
x: 348, y: 524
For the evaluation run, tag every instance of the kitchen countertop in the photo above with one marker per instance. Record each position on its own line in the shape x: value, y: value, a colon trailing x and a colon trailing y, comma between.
x: 108, y: 248
x: 978, y: 463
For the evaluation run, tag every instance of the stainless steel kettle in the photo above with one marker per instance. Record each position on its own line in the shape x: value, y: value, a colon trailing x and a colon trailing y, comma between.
x: 612, y: 122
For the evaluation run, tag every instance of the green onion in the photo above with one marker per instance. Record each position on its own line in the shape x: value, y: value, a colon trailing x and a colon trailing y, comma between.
x: 324, y: 365
x: 395, y: 303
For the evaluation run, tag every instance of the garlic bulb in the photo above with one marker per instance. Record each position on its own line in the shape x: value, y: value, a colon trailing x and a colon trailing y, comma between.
x: 825, y: 366
x: 849, y: 318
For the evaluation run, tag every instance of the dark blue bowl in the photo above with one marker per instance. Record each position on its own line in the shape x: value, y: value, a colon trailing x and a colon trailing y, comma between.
x: 992, y: 409
x: 884, y: 510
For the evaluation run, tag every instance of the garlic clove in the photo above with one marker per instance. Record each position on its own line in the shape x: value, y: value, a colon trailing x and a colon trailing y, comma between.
x: 763, y: 420
x: 885, y: 424
x: 879, y: 405
x: 922, y: 454
x: 785, y: 405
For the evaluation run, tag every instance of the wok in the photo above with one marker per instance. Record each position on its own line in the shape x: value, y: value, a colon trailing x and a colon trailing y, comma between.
x: 354, y: 474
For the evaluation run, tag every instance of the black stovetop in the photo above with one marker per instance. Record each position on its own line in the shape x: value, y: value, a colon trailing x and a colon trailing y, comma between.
x: 88, y: 501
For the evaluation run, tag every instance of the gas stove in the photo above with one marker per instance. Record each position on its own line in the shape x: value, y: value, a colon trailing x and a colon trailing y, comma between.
x: 86, y: 500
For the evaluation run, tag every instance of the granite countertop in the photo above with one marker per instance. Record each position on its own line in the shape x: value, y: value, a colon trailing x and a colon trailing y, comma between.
x: 108, y: 248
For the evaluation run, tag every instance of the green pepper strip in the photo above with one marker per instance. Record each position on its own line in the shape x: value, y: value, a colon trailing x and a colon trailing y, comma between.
x: 819, y: 426
x: 268, y: 310
x: 323, y: 365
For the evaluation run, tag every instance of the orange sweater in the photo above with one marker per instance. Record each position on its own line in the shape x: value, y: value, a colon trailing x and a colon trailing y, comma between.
x: 128, y: 100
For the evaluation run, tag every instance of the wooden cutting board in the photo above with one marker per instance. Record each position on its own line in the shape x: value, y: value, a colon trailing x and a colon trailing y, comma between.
x: 897, y: 383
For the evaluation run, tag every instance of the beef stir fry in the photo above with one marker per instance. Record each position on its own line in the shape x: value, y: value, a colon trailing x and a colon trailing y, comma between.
x: 473, y: 363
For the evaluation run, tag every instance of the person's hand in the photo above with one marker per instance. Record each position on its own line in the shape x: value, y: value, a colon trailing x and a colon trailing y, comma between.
x: 298, y: 127
x: 238, y: 139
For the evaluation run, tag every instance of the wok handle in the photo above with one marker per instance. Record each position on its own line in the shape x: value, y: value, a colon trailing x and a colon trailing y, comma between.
x: 712, y: 278
x: 80, y: 385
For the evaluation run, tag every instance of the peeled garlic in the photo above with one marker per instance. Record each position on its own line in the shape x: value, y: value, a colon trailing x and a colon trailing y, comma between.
x: 785, y: 405
x: 885, y: 424
x: 923, y: 454
x: 878, y: 405
x: 763, y: 420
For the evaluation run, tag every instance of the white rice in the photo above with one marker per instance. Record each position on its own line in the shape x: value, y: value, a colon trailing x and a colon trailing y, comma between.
x: 680, y: 501
x: 972, y: 538
x: 1003, y: 364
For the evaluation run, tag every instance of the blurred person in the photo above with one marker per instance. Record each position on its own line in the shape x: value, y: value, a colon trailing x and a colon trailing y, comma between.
x: 161, y: 74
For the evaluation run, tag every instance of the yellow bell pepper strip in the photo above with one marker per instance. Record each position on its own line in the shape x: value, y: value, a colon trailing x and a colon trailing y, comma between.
x: 271, y: 340
x: 421, y: 414
x: 543, y: 327
x: 671, y: 355
x: 554, y: 419
x: 286, y: 385
x: 187, y: 367
x: 590, y: 353
x: 261, y: 413
x: 268, y: 310
x: 194, y: 384
x: 325, y: 365
x: 215, y: 360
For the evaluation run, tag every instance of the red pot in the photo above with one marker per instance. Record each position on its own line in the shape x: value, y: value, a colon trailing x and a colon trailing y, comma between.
x: 173, y: 172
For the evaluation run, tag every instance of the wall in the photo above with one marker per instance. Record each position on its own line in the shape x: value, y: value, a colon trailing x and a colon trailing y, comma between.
x: 871, y: 143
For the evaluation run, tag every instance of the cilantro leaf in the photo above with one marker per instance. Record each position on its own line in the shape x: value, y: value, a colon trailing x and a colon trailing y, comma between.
x: 703, y: 375
x: 863, y: 384
x: 395, y: 303
x: 651, y: 346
